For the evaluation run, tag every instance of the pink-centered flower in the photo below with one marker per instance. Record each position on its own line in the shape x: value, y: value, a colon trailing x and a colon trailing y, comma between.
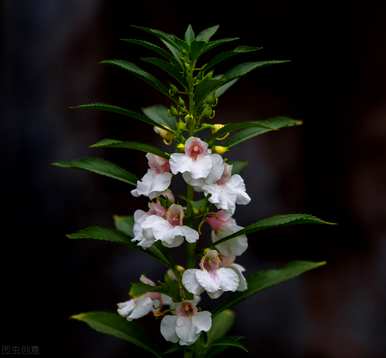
x: 186, y: 325
x: 156, y: 180
x: 142, y: 305
x: 197, y: 163
x: 227, y: 191
x: 222, y: 225
x: 162, y: 225
x: 216, y: 275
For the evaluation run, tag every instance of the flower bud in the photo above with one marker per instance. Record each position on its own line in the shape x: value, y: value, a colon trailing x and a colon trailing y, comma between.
x: 216, y: 127
x: 179, y: 268
x: 181, y: 147
x: 181, y: 125
x: 212, y: 99
x: 220, y: 149
x: 173, y: 111
x: 181, y: 102
x: 207, y: 111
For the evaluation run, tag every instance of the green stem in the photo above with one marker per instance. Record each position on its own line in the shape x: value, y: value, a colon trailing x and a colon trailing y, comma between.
x: 188, y: 354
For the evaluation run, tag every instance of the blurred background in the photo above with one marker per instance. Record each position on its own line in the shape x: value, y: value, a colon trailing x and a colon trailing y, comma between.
x: 332, y: 167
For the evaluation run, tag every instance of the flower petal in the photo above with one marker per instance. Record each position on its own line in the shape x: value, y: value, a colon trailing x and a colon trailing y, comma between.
x: 168, y: 328
x: 237, y: 185
x: 143, y: 305
x: 124, y: 308
x: 185, y: 330
x: 233, y: 247
x: 190, y: 282
x: 201, y: 167
x: 180, y: 163
x: 243, y: 285
x: 209, y: 281
x: 202, y: 321
x: 229, y: 280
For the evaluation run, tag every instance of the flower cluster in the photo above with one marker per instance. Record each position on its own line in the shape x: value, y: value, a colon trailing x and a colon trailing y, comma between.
x: 170, y: 224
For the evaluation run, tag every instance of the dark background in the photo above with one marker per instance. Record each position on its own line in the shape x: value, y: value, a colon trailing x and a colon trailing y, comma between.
x: 333, y: 167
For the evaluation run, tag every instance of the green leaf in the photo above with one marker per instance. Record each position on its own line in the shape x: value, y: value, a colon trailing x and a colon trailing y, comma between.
x: 221, y: 325
x: 101, y: 167
x: 205, y: 35
x: 173, y: 71
x: 101, y: 233
x: 114, y: 143
x: 189, y: 35
x: 214, y: 44
x: 261, y: 280
x: 225, y: 343
x: 173, y: 43
x: 115, y: 325
x: 150, y: 46
x: 277, y: 221
x: 119, y: 110
x: 238, y: 166
x: 140, y: 73
x: 244, y: 68
x: 138, y: 289
x: 160, y: 115
x: 205, y: 87
x: 222, y: 89
x: 124, y: 224
x: 243, y: 131
x: 223, y: 56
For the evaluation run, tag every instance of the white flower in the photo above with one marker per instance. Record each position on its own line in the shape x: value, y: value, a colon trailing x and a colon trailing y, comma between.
x: 216, y: 276
x: 228, y: 191
x: 223, y: 225
x: 167, y: 228
x: 142, y: 305
x: 197, y: 162
x: 143, y: 235
x: 186, y: 325
x: 156, y: 180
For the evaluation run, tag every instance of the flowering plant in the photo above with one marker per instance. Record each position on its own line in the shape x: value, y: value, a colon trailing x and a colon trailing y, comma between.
x: 195, y: 148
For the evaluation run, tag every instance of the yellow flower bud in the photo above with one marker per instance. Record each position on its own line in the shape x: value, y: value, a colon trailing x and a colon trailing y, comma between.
x: 216, y: 127
x: 220, y: 149
x: 181, y: 147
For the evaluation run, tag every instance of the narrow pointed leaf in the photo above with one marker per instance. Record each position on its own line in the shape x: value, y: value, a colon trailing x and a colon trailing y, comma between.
x: 160, y: 114
x: 114, y: 143
x: 102, y: 233
x: 115, y: 325
x: 214, y: 44
x: 205, y: 87
x: 222, y: 89
x: 118, y: 110
x: 140, y: 73
x: 138, y: 289
x: 277, y: 221
x: 205, y: 35
x: 261, y: 280
x: 101, y: 167
x: 247, y: 130
x: 244, y: 68
x: 223, y: 56
x: 221, y: 325
x: 173, y: 71
x: 173, y: 43
x: 124, y: 224
x: 189, y: 35
x: 150, y: 46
